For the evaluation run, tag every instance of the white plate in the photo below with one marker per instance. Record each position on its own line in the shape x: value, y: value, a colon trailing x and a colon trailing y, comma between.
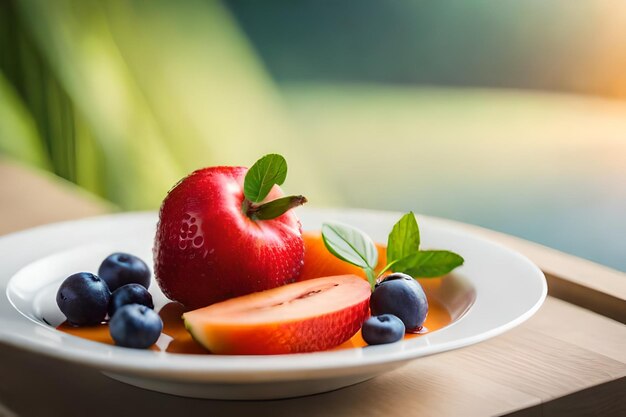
x: 495, y: 290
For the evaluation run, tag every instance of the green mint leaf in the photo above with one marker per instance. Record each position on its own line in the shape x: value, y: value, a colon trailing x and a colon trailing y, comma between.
x: 429, y: 263
x: 404, y: 239
x: 275, y: 208
x: 371, y: 277
x: 261, y: 177
x: 350, y: 244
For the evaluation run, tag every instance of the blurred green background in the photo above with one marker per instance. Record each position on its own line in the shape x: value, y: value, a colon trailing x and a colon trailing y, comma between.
x: 510, y: 115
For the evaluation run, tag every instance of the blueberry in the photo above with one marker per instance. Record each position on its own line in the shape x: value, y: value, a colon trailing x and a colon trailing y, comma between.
x: 129, y: 294
x: 402, y: 296
x: 135, y: 326
x: 84, y: 299
x: 385, y: 328
x: 123, y: 268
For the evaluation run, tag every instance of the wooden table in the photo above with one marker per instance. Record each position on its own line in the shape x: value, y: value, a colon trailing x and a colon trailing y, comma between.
x: 568, y: 360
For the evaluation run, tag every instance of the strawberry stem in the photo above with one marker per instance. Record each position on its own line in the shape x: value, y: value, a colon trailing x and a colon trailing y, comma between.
x: 272, y: 209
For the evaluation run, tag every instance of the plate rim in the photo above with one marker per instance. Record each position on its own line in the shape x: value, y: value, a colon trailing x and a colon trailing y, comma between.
x: 238, y: 368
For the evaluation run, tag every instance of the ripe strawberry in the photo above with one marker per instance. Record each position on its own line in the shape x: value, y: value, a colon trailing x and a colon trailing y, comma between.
x: 214, y: 243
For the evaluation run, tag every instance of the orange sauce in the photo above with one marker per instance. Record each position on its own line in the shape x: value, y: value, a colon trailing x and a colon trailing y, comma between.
x: 318, y: 262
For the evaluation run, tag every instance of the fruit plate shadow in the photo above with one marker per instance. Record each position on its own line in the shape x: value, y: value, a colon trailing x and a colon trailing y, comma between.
x: 495, y: 290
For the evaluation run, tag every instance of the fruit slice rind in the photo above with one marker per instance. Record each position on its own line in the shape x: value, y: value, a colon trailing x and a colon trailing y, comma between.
x: 279, y: 338
x: 281, y: 320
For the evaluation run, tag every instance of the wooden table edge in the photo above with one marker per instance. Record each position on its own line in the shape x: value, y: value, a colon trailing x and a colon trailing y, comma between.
x: 578, y: 281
